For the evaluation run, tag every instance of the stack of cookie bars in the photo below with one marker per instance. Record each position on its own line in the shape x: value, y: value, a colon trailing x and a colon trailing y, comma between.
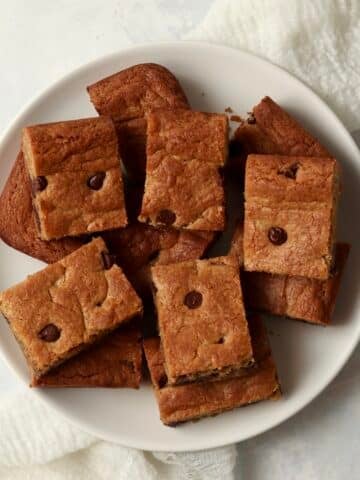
x: 124, y: 207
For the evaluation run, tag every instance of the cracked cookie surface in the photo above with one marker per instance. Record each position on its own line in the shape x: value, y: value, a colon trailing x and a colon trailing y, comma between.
x: 60, y: 310
x: 75, y: 170
x: 201, y: 319
x: 290, y: 214
x: 115, y: 362
x: 182, y: 403
x: 185, y: 153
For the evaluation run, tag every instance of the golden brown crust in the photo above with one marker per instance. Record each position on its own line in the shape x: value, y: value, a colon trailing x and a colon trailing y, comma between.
x: 182, y: 403
x: 210, y: 338
x: 296, y: 297
x: 139, y: 246
x: 285, y: 132
x: 115, y: 362
x: 185, y: 151
x: 274, y: 132
x: 17, y: 223
x: 78, y: 296
x: 127, y: 97
x: 298, y: 195
x: 68, y: 155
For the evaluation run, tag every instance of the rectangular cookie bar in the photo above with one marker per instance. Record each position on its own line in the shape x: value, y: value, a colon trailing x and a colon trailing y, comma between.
x: 183, y: 187
x: 75, y: 172
x: 115, y: 362
x: 290, y: 215
x: 201, y: 319
x: 127, y: 97
x: 271, y: 130
x: 17, y: 221
x: 62, y: 309
x: 181, y: 403
x: 138, y: 246
x: 296, y: 297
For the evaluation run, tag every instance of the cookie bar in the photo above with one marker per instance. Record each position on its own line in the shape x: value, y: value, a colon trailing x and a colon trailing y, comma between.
x: 271, y: 130
x: 183, y: 187
x: 62, y: 309
x: 296, y: 297
x: 181, y: 403
x: 201, y: 319
x: 139, y: 246
x: 127, y: 97
x: 17, y: 221
x: 115, y: 362
x: 290, y: 213
x: 75, y: 172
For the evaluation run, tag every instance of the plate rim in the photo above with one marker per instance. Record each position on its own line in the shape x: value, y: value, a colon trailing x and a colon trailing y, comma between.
x: 12, y: 129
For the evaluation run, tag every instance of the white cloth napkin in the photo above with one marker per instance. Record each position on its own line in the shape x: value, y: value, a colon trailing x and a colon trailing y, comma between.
x: 320, y: 43
x: 36, y: 443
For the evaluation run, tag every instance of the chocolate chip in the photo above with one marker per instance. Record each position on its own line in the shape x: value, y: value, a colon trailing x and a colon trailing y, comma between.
x: 153, y: 255
x: 163, y: 381
x: 166, y: 216
x: 277, y: 235
x: 38, y: 184
x: 290, y: 172
x: 108, y: 260
x: 251, y: 118
x: 50, y: 333
x: 193, y: 299
x: 95, y: 182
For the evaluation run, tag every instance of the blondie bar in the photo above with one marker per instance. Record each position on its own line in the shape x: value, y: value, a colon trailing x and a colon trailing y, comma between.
x: 17, y: 220
x: 182, y: 403
x: 75, y: 172
x: 114, y: 362
x: 62, y: 309
x: 201, y: 319
x: 183, y: 187
x: 296, y: 297
x: 290, y: 215
x: 127, y: 97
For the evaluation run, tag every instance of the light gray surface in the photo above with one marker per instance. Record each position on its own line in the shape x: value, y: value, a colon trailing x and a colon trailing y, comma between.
x: 43, y: 40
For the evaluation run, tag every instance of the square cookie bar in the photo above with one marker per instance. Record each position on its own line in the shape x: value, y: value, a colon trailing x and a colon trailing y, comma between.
x: 75, y: 172
x: 115, y: 362
x: 18, y: 224
x: 296, y: 297
x: 127, y: 97
x: 62, y: 309
x: 201, y: 319
x: 290, y: 215
x: 138, y: 246
x: 183, y: 187
x: 181, y: 403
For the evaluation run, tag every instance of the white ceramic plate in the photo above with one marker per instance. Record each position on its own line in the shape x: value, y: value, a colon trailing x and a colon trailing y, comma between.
x: 308, y: 357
